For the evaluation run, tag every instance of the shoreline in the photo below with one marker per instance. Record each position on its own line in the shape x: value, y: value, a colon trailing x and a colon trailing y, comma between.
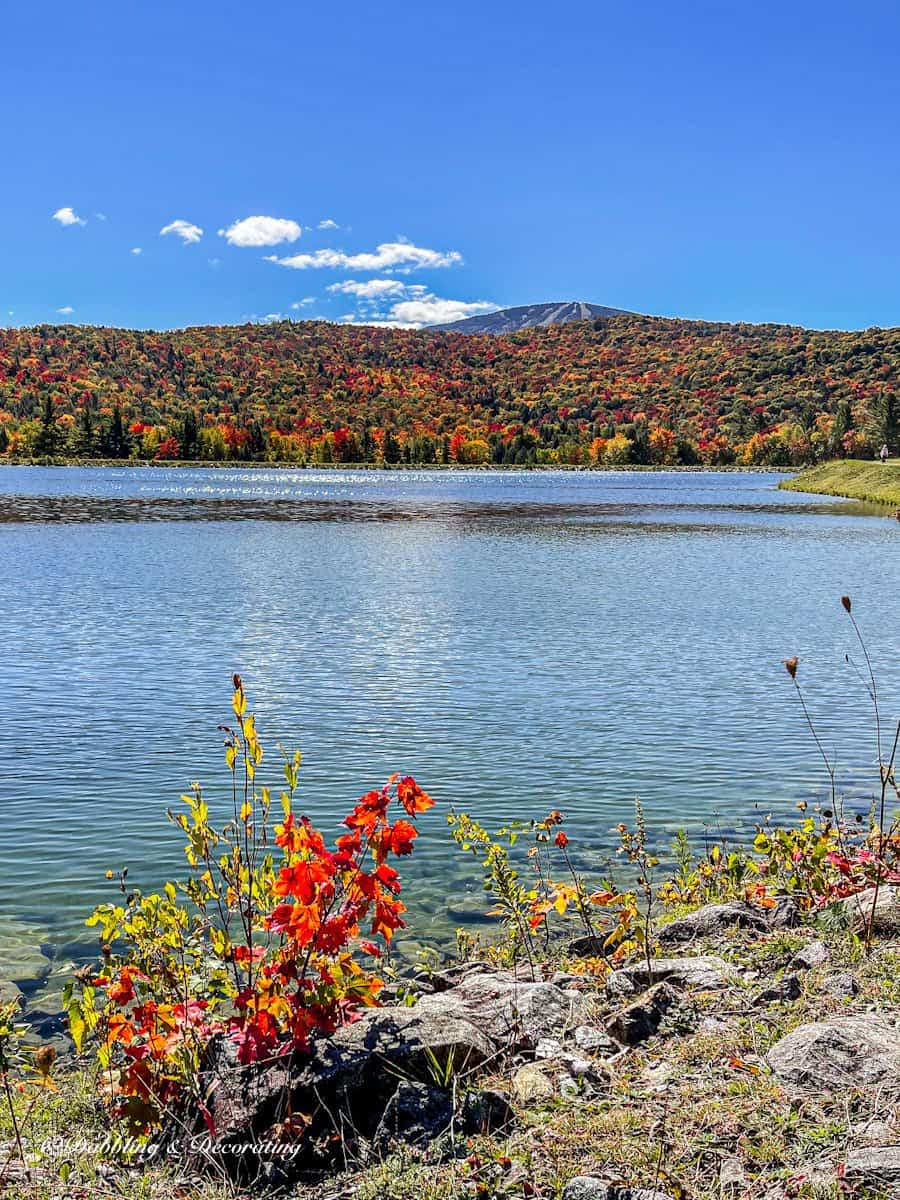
x: 850, y: 479
x: 220, y: 464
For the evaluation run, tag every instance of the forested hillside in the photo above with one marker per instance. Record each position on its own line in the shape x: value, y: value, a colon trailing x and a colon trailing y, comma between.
x: 626, y: 389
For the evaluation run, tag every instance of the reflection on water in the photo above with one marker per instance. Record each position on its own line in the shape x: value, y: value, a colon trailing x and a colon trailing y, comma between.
x: 519, y: 641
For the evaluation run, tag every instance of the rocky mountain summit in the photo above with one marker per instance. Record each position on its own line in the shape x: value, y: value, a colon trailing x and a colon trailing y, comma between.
x: 530, y: 316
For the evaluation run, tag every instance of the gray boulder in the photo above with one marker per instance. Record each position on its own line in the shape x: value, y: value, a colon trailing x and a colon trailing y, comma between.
x: 345, y: 1082
x: 705, y: 971
x: 711, y: 921
x: 858, y: 910
x: 513, y: 1013
x: 842, y: 1053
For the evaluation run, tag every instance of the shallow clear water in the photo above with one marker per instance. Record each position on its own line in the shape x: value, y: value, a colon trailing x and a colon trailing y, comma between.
x: 517, y: 641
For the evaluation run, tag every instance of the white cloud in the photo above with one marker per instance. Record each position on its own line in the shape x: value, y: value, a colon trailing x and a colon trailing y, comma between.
x: 307, y: 300
x: 385, y: 256
x: 328, y: 224
x: 183, y: 229
x: 136, y: 250
x: 68, y: 216
x: 433, y: 310
x: 261, y: 231
x: 371, y: 289
x: 100, y: 216
x: 65, y: 310
x: 426, y: 309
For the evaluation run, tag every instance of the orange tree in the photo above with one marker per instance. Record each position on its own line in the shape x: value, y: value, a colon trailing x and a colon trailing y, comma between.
x: 273, y: 938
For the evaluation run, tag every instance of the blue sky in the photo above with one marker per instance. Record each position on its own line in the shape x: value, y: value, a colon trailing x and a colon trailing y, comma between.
x: 719, y: 161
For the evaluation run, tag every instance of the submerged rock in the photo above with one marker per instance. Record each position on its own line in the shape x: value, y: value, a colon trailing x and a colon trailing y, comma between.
x: 22, y: 961
x: 842, y: 1053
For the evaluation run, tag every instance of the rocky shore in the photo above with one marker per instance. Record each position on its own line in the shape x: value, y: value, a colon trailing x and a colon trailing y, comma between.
x: 750, y: 1056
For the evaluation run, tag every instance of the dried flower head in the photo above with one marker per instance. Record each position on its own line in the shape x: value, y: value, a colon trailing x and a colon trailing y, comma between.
x: 790, y: 665
x: 845, y: 600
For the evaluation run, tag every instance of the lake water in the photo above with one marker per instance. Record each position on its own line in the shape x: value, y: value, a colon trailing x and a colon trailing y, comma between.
x: 518, y: 641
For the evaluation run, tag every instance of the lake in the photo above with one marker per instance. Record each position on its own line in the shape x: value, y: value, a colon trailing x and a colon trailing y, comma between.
x: 518, y: 641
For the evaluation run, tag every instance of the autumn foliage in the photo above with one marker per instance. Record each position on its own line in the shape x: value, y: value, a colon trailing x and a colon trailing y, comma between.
x: 612, y: 392
x: 272, y: 941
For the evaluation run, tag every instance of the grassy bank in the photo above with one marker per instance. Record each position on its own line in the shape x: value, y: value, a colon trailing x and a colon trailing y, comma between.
x: 856, y: 480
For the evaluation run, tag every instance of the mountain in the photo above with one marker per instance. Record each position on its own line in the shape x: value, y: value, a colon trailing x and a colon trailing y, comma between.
x: 616, y: 391
x: 529, y: 316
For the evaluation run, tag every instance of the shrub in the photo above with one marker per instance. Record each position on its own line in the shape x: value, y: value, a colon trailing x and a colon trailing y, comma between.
x: 261, y: 945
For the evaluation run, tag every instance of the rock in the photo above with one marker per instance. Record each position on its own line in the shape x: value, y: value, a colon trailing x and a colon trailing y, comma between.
x: 858, y: 910
x: 586, y: 1187
x: 842, y: 1053
x: 531, y: 1085
x: 594, y: 1041
x: 785, y: 914
x: 703, y: 971
x: 731, y: 1174
x: 415, y: 1114
x: 486, y: 1111
x: 619, y: 987
x: 783, y: 991
x: 9, y: 991
x: 642, y: 1019
x: 711, y: 921
x: 513, y: 1013
x: 347, y: 1081
x: 842, y: 985
x: 548, y: 1048
x: 874, y: 1167
x: 873, y: 1132
x: 715, y: 1027
x: 816, y: 954
x: 21, y: 959
x: 589, y: 945
x: 448, y: 977
x: 581, y: 1069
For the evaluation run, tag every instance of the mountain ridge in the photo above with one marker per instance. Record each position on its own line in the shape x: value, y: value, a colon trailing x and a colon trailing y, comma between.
x: 623, y: 390
x: 531, y: 316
